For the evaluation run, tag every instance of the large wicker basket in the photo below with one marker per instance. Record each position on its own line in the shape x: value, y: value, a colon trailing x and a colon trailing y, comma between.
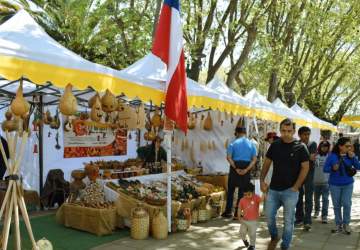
x: 204, y: 215
x: 159, y: 227
x: 182, y: 225
x: 140, y: 223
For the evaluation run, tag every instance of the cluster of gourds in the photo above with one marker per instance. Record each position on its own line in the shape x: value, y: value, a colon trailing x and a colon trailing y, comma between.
x: 106, y: 109
x: 153, y: 125
x: 17, y: 117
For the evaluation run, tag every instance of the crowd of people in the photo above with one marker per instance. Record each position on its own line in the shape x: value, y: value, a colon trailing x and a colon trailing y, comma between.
x: 296, y: 174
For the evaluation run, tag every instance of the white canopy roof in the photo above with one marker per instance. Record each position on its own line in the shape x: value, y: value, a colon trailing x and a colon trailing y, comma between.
x: 26, y: 50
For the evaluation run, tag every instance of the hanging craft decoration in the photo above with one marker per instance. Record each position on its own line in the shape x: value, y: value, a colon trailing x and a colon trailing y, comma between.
x: 68, y: 103
x: 96, y: 111
x: 108, y: 102
x: 208, y: 124
x: 9, y: 124
x: 20, y: 106
x: 191, y: 121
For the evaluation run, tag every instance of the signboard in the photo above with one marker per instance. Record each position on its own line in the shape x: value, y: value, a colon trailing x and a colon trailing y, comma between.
x: 83, y: 138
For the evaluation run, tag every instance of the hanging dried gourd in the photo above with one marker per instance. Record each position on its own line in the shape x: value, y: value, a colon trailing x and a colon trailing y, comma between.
x: 9, y: 124
x: 226, y: 143
x: 96, y: 112
x: 191, y: 121
x: 108, y: 102
x: 210, y: 145
x: 186, y: 143
x: 92, y: 100
x: 192, y: 153
x: 47, y: 118
x: 68, y: 103
x: 213, y: 145
x: 55, y: 124
x: 156, y: 120
x: 150, y: 135
x: 208, y: 124
x: 20, y: 106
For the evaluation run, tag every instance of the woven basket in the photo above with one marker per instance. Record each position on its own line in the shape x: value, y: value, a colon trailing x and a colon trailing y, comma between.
x: 182, y: 225
x: 159, y: 227
x: 204, y: 215
x: 194, y: 216
x: 140, y: 223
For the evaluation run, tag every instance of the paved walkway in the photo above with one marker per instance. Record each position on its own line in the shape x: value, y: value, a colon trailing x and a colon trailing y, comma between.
x: 223, y: 234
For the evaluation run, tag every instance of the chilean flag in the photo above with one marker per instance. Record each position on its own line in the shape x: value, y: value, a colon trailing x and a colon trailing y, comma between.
x: 168, y: 46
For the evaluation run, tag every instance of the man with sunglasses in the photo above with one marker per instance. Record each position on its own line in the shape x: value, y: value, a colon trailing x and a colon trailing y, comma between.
x: 290, y: 160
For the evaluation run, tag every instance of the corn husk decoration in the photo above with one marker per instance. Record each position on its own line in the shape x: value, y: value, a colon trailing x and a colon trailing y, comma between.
x: 92, y: 100
x: 191, y: 121
x: 96, y: 112
x: 208, y: 124
x: 140, y: 117
x: 20, y: 106
x: 108, y: 102
x: 68, y: 103
x: 192, y: 153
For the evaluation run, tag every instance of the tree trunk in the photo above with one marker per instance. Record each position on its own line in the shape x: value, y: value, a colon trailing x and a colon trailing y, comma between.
x: 273, y: 86
x: 252, y: 33
x: 156, y: 17
x: 195, y: 69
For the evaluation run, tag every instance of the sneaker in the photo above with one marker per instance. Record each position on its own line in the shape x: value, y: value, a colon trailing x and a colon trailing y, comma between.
x: 298, y: 223
x: 307, y: 227
x: 227, y: 215
x: 251, y: 248
x: 273, y: 243
x: 324, y: 221
x: 347, y: 229
x: 337, y: 229
x: 316, y: 214
x: 246, y: 243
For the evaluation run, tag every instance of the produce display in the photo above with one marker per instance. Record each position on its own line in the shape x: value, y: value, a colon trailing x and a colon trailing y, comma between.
x: 184, y: 189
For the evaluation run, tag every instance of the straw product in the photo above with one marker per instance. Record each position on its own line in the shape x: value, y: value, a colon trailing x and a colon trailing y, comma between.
x: 159, y: 227
x: 208, y: 124
x: 140, y: 223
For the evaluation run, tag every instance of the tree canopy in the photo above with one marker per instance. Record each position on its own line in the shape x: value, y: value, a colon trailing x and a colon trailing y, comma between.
x: 300, y: 51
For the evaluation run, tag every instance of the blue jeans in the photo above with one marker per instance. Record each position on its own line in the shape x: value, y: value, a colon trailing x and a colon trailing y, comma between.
x: 306, y: 190
x: 322, y: 190
x: 341, y: 198
x: 275, y: 199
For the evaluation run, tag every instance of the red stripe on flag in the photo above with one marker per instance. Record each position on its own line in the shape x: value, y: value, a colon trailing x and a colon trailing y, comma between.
x: 161, y: 44
x: 176, y: 98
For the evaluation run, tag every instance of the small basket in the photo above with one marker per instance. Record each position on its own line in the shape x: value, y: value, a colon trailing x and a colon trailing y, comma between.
x: 182, y: 225
x: 204, y: 215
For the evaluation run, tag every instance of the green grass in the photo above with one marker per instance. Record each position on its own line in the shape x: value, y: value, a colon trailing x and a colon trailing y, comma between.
x: 62, y: 238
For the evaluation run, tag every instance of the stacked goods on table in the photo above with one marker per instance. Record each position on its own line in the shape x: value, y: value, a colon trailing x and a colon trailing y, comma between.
x: 198, y: 201
x: 130, y: 168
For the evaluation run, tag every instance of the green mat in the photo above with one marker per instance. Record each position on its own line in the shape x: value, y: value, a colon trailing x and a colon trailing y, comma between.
x: 63, y: 238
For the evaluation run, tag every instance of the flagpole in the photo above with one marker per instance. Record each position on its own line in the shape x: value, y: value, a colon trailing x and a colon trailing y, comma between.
x: 168, y: 167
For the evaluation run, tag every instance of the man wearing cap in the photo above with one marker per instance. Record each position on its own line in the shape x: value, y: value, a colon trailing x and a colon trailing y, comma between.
x: 241, y: 154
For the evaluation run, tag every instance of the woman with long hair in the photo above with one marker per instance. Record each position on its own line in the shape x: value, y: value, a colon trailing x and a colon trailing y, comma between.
x: 341, y: 164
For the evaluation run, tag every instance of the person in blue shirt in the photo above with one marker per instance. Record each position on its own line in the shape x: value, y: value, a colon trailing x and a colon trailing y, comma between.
x: 241, y: 155
x: 342, y: 164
